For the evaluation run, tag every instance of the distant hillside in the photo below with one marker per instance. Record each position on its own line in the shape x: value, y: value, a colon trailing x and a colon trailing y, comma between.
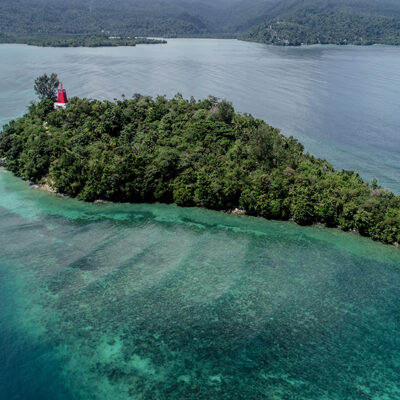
x: 246, y: 14
x: 283, y: 22
x: 337, y: 22
x: 122, y: 17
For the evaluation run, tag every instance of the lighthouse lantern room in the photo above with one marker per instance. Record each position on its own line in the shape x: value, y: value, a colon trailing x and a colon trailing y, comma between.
x: 62, y: 100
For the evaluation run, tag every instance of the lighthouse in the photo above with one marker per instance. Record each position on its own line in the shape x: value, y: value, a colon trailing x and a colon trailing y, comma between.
x: 62, y: 100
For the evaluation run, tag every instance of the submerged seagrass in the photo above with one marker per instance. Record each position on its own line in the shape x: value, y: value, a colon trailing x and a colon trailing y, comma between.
x: 192, y: 153
x: 154, y: 301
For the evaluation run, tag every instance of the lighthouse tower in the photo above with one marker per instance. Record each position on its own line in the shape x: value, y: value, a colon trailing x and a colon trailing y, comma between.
x: 62, y: 100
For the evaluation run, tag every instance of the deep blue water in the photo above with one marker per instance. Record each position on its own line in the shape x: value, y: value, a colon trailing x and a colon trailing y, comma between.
x: 29, y: 368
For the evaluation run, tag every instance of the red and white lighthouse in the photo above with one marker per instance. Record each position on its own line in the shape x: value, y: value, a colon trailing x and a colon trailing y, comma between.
x: 62, y: 100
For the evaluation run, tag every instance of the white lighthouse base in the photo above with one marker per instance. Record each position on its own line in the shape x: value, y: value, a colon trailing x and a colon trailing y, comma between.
x: 57, y: 106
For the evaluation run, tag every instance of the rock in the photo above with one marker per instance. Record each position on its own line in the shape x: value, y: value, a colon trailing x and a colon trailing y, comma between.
x: 238, y: 211
x: 48, y: 188
x: 43, y: 186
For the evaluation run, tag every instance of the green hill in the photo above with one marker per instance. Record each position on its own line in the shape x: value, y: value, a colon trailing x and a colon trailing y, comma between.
x: 339, y: 22
x: 288, y: 22
x: 120, y: 17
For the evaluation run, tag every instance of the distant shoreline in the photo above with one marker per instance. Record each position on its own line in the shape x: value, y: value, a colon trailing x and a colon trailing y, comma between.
x: 93, y: 41
x: 79, y: 41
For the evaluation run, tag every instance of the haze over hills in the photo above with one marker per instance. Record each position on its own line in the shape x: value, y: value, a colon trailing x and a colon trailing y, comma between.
x: 284, y: 22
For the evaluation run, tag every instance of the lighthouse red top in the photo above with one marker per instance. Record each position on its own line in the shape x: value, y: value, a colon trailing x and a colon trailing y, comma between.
x: 62, y: 95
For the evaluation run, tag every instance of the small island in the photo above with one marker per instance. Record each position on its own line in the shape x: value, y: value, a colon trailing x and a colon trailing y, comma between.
x: 78, y: 40
x: 192, y: 153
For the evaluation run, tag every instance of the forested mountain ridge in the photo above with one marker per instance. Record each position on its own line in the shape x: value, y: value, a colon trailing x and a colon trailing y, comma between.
x: 336, y: 22
x: 287, y: 22
x: 121, y: 17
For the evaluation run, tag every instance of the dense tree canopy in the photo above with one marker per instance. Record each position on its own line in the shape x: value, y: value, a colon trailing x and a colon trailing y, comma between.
x: 319, y: 24
x: 283, y: 22
x: 193, y: 153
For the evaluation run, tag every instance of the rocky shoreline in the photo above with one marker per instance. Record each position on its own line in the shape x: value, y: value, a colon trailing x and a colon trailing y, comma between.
x: 47, y: 186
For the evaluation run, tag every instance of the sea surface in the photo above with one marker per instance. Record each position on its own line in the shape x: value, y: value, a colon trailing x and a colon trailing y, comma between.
x: 157, y: 302
x: 342, y: 103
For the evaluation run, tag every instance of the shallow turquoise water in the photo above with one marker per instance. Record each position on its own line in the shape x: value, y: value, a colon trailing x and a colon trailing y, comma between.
x: 158, y: 302
x: 341, y: 102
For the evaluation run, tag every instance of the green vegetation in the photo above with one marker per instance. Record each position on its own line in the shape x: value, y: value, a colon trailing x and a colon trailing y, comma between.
x: 46, y: 86
x: 192, y: 153
x: 77, y: 40
x: 282, y: 22
x: 314, y: 25
x: 134, y: 18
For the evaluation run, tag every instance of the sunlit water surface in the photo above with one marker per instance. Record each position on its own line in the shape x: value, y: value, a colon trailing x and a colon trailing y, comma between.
x: 158, y: 302
x: 342, y: 102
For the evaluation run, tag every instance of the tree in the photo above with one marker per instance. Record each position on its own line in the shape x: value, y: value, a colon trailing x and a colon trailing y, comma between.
x: 46, y: 87
x: 225, y: 111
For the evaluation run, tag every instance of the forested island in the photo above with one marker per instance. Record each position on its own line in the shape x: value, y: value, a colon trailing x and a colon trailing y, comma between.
x: 192, y: 153
x: 77, y: 40
x: 278, y: 22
